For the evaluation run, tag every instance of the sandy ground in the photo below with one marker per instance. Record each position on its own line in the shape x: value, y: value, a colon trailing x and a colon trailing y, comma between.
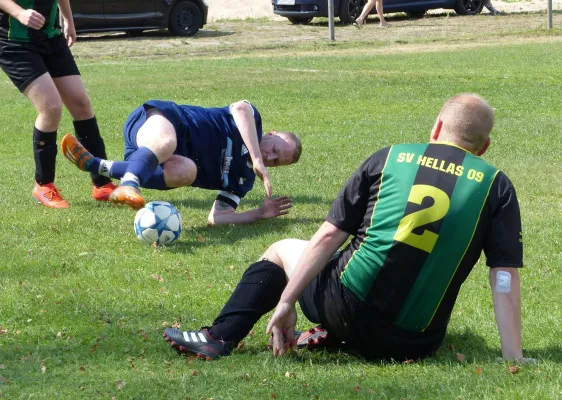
x: 240, y: 9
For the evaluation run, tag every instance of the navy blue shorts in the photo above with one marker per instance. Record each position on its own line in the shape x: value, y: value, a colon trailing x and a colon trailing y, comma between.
x: 25, y: 62
x: 138, y: 117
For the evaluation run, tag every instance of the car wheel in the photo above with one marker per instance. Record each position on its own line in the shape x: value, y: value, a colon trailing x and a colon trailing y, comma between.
x: 416, y: 14
x: 185, y: 19
x: 299, y: 20
x: 469, y: 7
x: 349, y: 10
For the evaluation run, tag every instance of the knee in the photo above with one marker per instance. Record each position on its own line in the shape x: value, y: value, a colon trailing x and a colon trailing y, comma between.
x: 81, y: 108
x: 179, y: 171
x: 168, y: 144
x: 51, y: 109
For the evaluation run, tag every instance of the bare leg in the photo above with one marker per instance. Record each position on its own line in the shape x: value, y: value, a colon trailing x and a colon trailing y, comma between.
x: 380, y: 13
x: 45, y: 98
x: 74, y: 97
x: 286, y: 253
x: 158, y: 135
x: 179, y: 171
x: 365, y: 13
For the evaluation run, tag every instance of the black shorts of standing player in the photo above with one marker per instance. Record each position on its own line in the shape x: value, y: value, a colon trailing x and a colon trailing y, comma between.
x: 355, y: 326
x: 24, y: 62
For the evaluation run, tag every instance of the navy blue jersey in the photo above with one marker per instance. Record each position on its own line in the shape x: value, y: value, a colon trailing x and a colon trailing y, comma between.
x: 210, y: 138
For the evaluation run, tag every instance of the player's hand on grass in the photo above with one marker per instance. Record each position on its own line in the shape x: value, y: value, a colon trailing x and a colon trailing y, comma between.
x: 282, y: 327
x: 261, y: 172
x: 520, y: 360
x: 275, y: 207
x: 31, y: 19
x: 69, y: 33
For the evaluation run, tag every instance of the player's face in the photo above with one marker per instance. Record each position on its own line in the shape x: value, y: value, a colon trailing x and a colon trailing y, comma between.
x: 276, y: 150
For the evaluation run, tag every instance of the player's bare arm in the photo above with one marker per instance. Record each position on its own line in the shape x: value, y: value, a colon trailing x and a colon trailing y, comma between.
x: 313, y: 259
x: 223, y: 213
x: 506, y: 292
x: 243, y: 115
x: 29, y: 17
x: 69, y: 29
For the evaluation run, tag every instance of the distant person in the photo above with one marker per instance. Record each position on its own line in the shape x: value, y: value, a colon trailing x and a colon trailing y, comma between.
x: 169, y: 146
x: 36, y: 57
x: 361, y: 20
x: 491, y: 8
x: 419, y: 216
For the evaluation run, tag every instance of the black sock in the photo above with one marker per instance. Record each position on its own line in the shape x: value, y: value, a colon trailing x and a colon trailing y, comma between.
x: 88, y: 133
x: 45, y: 155
x: 257, y: 293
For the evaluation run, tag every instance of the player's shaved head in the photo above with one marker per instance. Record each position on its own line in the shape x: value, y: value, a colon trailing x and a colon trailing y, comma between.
x: 467, y: 120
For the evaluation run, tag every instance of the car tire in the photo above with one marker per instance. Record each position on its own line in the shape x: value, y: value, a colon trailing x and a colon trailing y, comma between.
x: 416, y: 14
x: 469, y: 7
x: 349, y: 10
x: 185, y: 19
x: 299, y: 20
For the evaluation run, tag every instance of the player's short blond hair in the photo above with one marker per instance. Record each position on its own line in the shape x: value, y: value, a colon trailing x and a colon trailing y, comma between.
x: 296, y: 140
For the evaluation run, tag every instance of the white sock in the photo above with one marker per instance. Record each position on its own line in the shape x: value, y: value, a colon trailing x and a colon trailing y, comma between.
x: 105, y: 168
x: 130, y: 178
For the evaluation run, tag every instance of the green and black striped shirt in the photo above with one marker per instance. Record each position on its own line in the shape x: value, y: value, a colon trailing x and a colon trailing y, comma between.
x: 421, y: 214
x: 11, y: 29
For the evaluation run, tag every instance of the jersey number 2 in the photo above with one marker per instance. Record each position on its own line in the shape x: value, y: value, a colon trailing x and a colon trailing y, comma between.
x: 426, y: 240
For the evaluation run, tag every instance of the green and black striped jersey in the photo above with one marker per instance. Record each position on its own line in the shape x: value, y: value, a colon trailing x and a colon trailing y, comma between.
x: 12, y: 29
x: 421, y: 214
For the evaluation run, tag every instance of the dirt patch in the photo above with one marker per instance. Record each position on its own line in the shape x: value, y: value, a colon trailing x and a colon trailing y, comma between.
x: 259, y: 38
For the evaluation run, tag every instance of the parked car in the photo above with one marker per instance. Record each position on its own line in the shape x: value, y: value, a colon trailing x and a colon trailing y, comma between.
x: 181, y: 17
x: 302, y: 11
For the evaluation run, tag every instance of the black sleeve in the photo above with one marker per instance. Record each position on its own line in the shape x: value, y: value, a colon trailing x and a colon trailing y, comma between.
x: 349, y: 208
x: 504, y: 243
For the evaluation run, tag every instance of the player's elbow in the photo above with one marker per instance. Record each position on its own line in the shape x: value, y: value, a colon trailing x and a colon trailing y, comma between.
x: 241, y: 106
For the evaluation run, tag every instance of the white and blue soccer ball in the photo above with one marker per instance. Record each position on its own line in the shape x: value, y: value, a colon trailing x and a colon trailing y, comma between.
x: 158, y: 222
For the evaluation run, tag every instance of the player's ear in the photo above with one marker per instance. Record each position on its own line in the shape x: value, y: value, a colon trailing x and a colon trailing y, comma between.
x: 436, y: 130
x: 485, y: 147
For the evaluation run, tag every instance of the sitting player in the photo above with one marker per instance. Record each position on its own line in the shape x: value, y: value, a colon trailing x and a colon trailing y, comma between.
x: 169, y: 145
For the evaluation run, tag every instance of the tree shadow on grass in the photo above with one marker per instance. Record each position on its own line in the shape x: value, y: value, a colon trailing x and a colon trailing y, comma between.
x: 471, y: 345
x: 203, y: 236
x: 206, y: 204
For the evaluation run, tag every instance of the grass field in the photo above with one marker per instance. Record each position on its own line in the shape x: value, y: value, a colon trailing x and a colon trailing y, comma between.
x: 83, y: 304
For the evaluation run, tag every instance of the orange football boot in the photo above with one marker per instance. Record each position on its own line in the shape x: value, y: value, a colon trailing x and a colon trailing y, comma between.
x: 101, y: 193
x: 49, y: 196
x: 128, y: 195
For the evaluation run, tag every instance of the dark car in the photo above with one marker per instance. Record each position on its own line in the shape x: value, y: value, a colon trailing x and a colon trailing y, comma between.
x: 302, y: 11
x: 181, y: 17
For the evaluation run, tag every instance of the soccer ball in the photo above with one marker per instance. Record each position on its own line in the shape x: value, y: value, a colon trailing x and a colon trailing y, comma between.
x: 158, y: 222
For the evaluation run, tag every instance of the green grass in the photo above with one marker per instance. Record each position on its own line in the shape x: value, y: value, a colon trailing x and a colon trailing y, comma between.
x: 82, y: 305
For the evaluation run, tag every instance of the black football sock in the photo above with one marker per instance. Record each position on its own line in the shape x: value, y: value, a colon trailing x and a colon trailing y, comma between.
x: 257, y: 293
x: 88, y: 133
x: 45, y: 155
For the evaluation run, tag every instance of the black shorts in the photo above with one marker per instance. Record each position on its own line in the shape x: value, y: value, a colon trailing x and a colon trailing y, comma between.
x: 24, y: 62
x: 322, y: 301
x: 328, y: 303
